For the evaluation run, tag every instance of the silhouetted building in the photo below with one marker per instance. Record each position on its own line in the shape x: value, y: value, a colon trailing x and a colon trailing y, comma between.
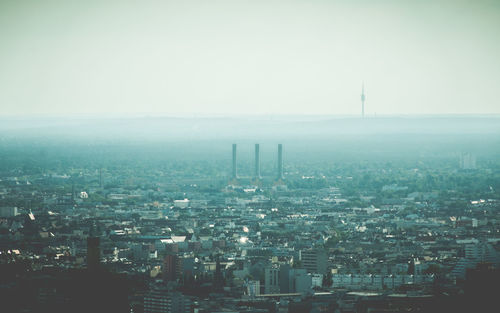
x: 171, y: 267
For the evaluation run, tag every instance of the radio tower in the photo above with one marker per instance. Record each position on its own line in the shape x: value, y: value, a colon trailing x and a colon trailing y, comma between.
x: 363, y: 100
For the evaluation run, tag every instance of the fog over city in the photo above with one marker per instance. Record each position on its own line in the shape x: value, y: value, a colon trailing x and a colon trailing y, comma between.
x: 249, y: 156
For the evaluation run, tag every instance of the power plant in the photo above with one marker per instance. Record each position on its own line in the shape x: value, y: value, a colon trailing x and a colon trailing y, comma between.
x: 235, y: 173
x: 257, y: 173
x: 257, y: 161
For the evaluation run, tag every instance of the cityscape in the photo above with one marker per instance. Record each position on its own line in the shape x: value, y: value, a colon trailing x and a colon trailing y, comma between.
x: 299, y: 226
x: 235, y: 156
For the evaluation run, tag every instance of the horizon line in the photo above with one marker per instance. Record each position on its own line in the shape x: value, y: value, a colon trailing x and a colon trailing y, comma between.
x: 240, y: 115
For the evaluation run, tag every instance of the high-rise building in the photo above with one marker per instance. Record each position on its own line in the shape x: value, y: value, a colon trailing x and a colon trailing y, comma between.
x: 172, y: 266
x: 271, y: 280
x: 257, y: 161
x: 467, y: 161
x: 303, y: 281
x: 293, y: 280
x: 314, y: 260
x: 280, y: 162
x: 287, y: 283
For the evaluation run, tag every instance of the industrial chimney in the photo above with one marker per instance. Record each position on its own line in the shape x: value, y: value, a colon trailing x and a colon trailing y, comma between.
x: 234, y: 175
x: 257, y: 161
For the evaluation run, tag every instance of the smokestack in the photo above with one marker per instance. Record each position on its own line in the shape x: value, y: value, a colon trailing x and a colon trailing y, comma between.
x: 280, y: 161
x: 100, y: 177
x: 257, y: 161
x: 234, y: 162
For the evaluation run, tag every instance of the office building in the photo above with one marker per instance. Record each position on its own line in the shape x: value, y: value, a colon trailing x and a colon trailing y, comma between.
x: 314, y: 260
x: 271, y: 280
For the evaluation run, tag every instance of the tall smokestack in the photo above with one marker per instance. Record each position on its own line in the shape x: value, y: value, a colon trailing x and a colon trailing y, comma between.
x: 100, y: 177
x: 257, y: 161
x: 234, y: 162
x: 280, y: 161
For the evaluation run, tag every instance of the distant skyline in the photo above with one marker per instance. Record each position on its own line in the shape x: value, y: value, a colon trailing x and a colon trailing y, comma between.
x: 232, y: 57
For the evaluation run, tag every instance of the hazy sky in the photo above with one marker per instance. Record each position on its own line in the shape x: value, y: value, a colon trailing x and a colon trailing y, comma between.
x: 240, y: 57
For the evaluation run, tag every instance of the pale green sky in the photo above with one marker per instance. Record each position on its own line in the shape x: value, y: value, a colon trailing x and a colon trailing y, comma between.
x: 240, y: 57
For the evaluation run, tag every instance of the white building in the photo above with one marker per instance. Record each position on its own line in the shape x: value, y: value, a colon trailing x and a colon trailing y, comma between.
x: 181, y: 204
x: 377, y: 282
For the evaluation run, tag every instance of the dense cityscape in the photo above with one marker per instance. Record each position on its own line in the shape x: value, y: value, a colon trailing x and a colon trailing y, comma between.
x: 236, y: 156
x: 250, y: 227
